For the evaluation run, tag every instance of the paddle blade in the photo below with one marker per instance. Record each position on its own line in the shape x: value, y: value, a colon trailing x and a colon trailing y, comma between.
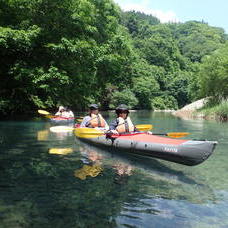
x: 50, y: 116
x: 144, y: 127
x: 57, y: 129
x: 177, y: 134
x: 88, y: 132
x: 79, y: 120
x: 43, y: 112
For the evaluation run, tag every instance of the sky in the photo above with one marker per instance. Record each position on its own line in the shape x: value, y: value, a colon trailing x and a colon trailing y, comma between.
x: 213, y: 12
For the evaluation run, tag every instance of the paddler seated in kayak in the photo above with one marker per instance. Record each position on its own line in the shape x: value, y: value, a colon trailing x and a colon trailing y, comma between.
x: 94, y: 119
x: 64, y: 112
x: 69, y: 113
x: 123, y: 123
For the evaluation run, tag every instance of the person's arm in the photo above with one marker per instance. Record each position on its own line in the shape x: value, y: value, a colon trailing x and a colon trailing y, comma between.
x: 112, y: 128
x: 58, y: 113
x: 106, y: 125
x: 85, y: 121
x: 71, y: 114
x: 113, y: 125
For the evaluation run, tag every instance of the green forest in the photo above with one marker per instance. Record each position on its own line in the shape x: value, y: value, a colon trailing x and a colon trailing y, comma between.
x: 76, y: 52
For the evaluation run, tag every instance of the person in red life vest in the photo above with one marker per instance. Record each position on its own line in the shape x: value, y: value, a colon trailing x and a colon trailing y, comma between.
x: 123, y: 123
x: 94, y: 119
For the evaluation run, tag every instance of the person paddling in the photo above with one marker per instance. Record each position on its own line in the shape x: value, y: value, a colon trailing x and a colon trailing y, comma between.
x: 122, y: 123
x: 64, y: 112
x: 94, y: 119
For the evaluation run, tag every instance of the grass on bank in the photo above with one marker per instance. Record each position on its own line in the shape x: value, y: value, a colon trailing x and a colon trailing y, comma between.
x: 218, y: 111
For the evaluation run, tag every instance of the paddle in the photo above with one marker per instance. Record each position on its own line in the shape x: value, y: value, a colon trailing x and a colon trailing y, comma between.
x: 173, y: 134
x: 144, y: 127
x: 88, y: 132
x: 49, y: 115
x: 140, y: 127
x: 46, y: 114
x: 92, y: 133
x: 43, y: 112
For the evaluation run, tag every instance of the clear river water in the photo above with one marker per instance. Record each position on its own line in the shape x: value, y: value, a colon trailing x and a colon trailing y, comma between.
x: 52, y: 179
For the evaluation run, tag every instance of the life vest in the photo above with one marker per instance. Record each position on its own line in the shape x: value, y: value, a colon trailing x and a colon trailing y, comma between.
x: 96, y: 121
x: 124, y: 125
x: 65, y: 114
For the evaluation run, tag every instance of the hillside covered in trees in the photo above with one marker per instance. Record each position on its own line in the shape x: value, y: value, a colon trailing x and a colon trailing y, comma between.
x: 76, y: 52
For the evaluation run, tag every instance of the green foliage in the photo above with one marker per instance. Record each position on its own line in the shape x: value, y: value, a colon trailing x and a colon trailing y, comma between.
x: 178, y: 87
x: 77, y: 51
x: 58, y: 51
x: 219, y: 111
x: 164, y: 102
x: 145, y: 88
x: 138, y: 22
x: 222, y: 110
x: 115, y: 60
x: 18, y: 40
x: 214, y: 74
x: 194, y: 85
x: 123, y: 97
x: 198, y: 39
x: 161, y: 51
x: 50, y: 83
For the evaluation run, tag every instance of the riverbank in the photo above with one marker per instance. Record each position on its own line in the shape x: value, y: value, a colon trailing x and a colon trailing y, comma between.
x: 202, y: 109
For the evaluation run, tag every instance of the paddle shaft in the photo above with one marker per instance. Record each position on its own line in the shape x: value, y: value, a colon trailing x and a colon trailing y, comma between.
x: 112, y: 135
x: 173, y: 134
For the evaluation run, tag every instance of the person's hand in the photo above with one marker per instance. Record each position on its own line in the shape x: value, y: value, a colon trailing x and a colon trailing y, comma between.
x: 114, y: 132
x: 111, y: 132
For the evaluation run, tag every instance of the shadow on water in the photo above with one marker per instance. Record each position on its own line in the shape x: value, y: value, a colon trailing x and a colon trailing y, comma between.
x: 156, y: 184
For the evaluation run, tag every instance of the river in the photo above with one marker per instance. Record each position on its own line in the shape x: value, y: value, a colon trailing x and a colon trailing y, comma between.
x: 53, y: 180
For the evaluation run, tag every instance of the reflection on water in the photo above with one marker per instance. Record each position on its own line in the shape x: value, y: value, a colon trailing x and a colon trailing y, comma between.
x: 52, y: 180
x: 60, y: 151
x: 158, y: 172
x: 42, y: 135
x: 95, y: 159
x: 88, y: 170
x: 62, y: 135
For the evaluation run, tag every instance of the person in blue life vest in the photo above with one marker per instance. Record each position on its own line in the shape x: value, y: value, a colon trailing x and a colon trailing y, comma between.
x: 123, y: 123
x: 64, y: 112
x: 94, y: 119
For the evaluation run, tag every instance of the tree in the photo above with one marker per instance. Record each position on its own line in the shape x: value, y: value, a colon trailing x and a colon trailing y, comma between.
x: 197, y: 39
x: 137, y: 22
x: 123, y: 97
x: 58, y: 51
x: 214, y: 74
